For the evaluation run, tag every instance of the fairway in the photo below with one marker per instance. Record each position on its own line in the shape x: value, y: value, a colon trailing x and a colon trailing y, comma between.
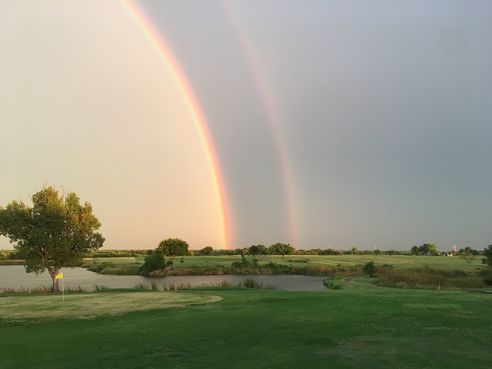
x: 351, y: 328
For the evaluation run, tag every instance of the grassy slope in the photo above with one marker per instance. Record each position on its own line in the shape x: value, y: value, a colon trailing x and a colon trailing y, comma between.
x: 349, y: 328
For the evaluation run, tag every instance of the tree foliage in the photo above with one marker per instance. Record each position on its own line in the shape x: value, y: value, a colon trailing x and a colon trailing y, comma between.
x: 467, y: 253
x: 56, y: 232
x: 488, y: 256
x: 425, y: 249
x: 207, y: 251
x: 174, y: 247
x: 154, y: 261
x: 254, y: 250
x: 281, y: 249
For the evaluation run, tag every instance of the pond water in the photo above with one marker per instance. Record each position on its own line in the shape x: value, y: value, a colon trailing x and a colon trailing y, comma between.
x: 15, y: 277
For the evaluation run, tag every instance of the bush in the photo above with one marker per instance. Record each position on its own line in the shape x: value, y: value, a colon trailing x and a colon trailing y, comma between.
x: 487, y: 278
x: 154, y: 261
x: 488, y: 256
x: 369, y: 268
x: 332, y: 285
x: 245, y: 263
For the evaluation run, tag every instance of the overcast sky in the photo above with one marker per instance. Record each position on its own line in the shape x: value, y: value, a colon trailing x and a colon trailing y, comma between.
x: 381, y: 110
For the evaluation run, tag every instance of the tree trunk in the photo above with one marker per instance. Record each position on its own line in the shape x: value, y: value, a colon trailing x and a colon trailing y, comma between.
x: 53, y: 272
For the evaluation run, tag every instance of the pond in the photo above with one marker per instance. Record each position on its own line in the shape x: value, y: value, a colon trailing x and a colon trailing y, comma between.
x: 15, y: 277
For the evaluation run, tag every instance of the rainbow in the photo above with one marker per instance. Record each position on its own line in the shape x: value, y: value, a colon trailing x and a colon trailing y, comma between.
x: 273, y: 119
x: 196, y: 111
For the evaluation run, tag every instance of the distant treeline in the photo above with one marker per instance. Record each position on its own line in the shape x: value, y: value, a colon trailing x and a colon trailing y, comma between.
x: 16, y: 255
x: 275, y: 249
x: 284, y: 249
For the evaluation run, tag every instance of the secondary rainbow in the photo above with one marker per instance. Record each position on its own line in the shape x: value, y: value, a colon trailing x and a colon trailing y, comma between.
x: 272, y: 117
x: 158, y: 41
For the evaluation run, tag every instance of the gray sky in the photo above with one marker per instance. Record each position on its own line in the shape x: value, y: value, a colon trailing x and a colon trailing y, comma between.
x: 384, y: 110
x: 384, y: 105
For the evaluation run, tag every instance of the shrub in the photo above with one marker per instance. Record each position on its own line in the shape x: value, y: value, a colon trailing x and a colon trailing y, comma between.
x: 487, y: 278
x: 369, y: 268
x: 154, y: 261
x: 332, y: 285
x: 245, y: 263
x: 488, y: 256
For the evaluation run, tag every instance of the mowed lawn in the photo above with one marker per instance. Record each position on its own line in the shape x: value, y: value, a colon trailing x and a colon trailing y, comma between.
x: 349, y: 328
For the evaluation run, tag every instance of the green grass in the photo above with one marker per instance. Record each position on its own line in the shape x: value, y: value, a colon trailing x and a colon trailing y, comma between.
x: 403, y: 261
x: 301, y: 264
x: 90, y: 305
x: 356, y: 327
x: 400, y: 261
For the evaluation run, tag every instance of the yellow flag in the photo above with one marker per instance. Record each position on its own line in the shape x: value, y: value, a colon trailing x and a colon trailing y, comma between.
x: 59, y: 276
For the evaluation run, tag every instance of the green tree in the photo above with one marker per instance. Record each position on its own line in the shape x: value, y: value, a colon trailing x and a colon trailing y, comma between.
x: 56, y: 232
x: 154, y: 261
x: 428, y: 249
x: 207, y: 251
x: 369, y: 268
x: 425, y: 249
x: 281, y: 249
x: 354, y: 251
x: 173, y: 247
x: 488, y: 256
x: 257, y: 250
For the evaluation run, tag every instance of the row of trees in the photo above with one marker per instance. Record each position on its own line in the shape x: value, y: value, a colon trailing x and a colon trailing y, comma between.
x: 277, y: 248
x: 286, y: 249
x: 177, y: 247
x: 430, y: 249
x: 252, y: 250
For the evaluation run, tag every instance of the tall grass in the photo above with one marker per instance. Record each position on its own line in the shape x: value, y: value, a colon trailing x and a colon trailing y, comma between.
x: 250, y: 283
x: 428, y: 277
x: 37, y: 290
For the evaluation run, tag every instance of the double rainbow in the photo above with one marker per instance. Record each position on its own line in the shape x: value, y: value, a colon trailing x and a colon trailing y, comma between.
x: 168, y: 58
